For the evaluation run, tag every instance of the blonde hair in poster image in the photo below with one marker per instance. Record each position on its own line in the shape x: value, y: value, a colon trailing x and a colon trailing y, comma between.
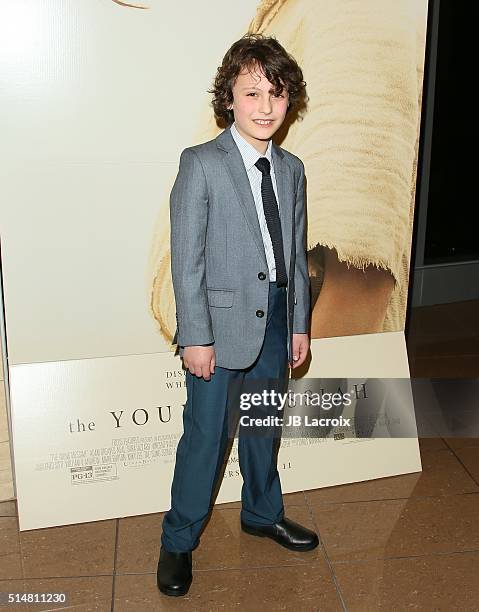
x: 363, y: 62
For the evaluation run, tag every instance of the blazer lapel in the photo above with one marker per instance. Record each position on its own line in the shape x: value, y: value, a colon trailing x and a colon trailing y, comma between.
x: 239, y: 179
x: 285, y: 187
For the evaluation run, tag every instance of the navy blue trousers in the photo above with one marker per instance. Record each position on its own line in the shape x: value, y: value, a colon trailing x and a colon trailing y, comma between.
x: 202, y: 447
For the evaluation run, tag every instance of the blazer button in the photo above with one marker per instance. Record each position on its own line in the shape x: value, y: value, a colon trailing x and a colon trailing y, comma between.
x: 261, y: 276
x: 260, y: 313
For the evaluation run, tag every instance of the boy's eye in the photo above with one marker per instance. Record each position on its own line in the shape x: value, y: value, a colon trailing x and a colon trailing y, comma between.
x: 253, y: 93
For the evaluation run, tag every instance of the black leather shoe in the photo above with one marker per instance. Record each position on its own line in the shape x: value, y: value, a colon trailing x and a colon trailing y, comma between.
x: 289, y: 534
x: 174, y: 575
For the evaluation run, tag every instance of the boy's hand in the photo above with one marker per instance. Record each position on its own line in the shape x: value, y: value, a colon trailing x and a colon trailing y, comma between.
x: 200, y: 360
x: 300, y: 349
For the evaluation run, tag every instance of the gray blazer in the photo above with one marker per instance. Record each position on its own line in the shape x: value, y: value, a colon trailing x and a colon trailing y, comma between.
x: 218, y: 264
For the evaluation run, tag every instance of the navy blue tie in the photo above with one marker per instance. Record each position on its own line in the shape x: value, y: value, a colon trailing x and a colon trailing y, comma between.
x: 271, y: 213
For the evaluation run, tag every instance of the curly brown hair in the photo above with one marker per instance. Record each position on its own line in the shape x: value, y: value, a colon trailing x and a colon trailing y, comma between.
x: 251, y: 50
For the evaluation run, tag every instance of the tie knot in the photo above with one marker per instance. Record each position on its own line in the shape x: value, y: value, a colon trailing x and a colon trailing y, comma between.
x: 263, y: 165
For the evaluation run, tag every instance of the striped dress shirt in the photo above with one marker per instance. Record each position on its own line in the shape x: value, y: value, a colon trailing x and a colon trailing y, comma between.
x: 250, y: 156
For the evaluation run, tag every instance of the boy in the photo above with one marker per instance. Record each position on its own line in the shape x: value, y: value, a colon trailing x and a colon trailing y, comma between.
x: 240, y: 277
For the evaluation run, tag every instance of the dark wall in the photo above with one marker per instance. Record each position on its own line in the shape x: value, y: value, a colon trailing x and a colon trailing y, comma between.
x: 451, y: 233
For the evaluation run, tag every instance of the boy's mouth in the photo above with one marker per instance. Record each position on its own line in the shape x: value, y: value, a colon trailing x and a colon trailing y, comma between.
x: 263, y: 122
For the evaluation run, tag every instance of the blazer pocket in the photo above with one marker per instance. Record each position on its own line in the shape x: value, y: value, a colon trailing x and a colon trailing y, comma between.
x: 220, y: 298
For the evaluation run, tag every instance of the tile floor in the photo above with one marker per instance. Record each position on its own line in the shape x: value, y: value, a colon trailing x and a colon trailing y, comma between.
x: 400, y: 543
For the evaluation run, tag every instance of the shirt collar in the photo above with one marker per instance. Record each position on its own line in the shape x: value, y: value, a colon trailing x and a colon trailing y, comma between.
x: 249, y: 154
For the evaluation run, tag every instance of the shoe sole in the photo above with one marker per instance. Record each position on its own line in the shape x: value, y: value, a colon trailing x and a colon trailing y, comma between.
x: 299, y: 547
x: 175, y: 592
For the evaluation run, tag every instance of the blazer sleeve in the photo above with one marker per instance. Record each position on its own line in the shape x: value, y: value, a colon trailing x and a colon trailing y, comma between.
x: 188, y: 223
x: 301, y: 316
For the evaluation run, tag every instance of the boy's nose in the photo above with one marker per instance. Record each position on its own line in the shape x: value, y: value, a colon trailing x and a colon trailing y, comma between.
x: 265, y: 106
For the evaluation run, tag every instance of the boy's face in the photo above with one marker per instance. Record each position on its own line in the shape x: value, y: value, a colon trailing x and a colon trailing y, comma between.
x: 258, y: 112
